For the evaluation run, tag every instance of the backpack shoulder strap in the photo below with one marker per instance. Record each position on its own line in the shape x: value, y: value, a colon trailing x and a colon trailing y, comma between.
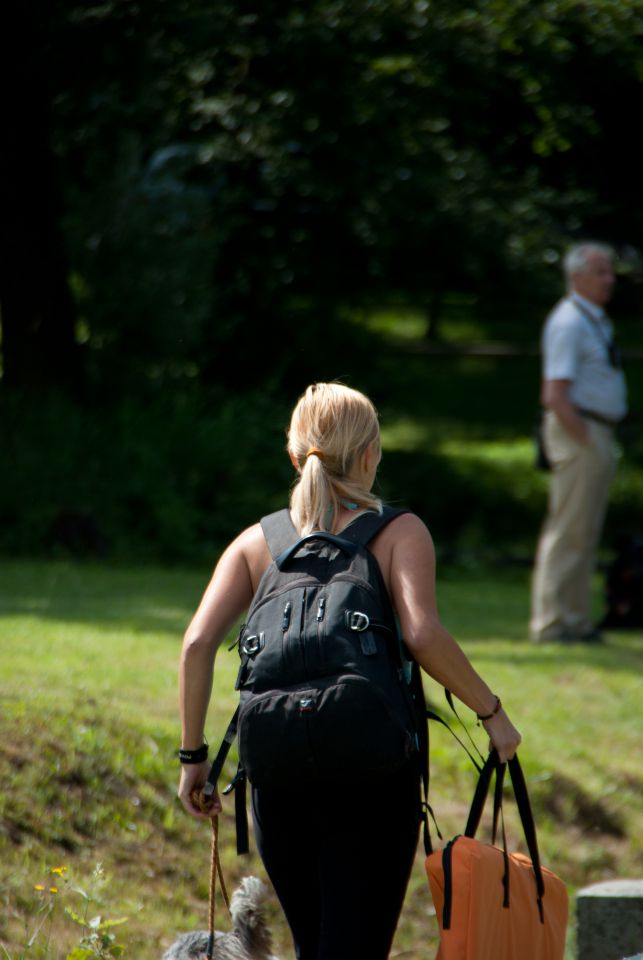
x: 279, y: 531
x: 365, y: 527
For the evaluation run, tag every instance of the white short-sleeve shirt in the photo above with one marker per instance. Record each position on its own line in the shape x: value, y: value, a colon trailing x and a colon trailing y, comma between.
x: 575, y: 347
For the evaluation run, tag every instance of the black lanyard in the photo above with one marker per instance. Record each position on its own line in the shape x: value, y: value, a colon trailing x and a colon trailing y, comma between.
x: 613, y: 352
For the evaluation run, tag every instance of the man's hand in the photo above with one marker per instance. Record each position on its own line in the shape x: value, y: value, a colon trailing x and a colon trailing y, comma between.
x: 555, y: 396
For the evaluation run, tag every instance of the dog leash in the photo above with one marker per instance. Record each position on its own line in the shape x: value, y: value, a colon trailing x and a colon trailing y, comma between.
x: 215, y: 871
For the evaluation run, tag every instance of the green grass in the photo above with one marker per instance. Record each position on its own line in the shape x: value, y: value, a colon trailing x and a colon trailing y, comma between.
x: 88, y: 729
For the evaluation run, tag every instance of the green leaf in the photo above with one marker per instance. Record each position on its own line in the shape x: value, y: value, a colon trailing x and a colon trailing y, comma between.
x: 106, y: 924
x: 81, y: 893
x: 75, y: 917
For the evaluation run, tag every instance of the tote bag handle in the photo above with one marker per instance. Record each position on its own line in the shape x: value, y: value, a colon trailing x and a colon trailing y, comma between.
x: 492, y: 765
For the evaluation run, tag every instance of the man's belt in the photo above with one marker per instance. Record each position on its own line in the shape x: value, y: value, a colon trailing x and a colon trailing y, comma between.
x: 598, y: 417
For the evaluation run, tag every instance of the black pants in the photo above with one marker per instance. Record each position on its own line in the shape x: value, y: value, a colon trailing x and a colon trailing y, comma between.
x: 340, y: 862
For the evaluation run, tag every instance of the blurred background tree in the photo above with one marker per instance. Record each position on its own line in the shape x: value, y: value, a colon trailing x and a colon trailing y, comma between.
x: 203, y: 201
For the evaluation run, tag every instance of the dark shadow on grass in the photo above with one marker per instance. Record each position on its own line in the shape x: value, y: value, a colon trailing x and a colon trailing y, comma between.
x: 568, y: 803
x: 489, y: 393
x: 139, y: 599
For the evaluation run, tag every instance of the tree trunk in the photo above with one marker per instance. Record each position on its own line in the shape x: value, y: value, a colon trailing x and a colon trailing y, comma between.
x: 434, y: 309
x: 38, y: 336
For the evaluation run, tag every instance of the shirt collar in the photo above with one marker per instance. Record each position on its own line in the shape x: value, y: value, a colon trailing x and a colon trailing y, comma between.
x: 593, y: 308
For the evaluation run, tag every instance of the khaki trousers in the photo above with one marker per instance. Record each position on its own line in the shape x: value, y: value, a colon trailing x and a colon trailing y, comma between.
x: 579, y: 488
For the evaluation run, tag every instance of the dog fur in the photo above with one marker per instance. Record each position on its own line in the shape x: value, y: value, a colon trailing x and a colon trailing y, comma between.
x: 249, y: 938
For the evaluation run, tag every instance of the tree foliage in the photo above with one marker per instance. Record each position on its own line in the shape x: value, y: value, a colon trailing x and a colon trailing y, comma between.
x: 199, y: 197
x: 233, y: 175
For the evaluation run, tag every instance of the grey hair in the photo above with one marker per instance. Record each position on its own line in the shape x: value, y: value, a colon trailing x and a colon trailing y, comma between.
x: 576, y: 258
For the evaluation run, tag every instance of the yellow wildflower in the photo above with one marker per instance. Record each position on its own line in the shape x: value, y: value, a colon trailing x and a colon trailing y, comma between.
x: 59, y: 870
x: 53, y: 889
x: 39, y: 887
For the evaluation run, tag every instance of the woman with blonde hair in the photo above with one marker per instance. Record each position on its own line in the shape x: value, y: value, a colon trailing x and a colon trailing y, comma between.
x: 339, y: 859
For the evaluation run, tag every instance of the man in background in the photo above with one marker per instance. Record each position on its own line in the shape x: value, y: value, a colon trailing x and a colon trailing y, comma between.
x: 584, y: 396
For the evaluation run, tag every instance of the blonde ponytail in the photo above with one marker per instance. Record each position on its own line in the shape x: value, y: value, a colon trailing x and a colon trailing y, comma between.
x: 331, y: 425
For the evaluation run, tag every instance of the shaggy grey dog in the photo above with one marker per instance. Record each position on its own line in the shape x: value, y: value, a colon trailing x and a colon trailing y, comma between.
x: 249, y: 938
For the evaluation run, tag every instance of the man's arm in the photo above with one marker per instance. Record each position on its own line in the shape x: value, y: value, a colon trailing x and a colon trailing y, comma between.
x: 555, y: 396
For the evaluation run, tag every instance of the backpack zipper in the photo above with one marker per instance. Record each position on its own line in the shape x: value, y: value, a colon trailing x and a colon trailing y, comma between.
x: 302, y: 630
x: 276, y: 593
x: 321, y: 612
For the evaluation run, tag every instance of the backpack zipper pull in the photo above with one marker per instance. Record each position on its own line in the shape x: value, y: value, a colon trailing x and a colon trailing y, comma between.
x: 321, y: 609
x: 285, y: 623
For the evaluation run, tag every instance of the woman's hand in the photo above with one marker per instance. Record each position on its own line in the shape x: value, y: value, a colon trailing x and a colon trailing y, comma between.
x: 503, y: 735
x: 194, y: 777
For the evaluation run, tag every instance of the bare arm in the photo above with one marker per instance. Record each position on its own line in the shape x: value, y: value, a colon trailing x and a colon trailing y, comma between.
x: 226, y: 597
x: 555, y: 396
x: 412, y: 585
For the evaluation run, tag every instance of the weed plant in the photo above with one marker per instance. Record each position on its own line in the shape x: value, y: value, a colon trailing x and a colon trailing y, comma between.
x: 60, y: 899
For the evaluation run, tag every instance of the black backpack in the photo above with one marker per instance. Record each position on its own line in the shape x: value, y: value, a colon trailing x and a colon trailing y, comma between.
x: 326, y: 690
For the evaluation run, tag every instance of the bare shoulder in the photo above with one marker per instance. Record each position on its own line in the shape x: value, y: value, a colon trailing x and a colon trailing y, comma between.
x: 250, y: 539
x: 251, y: 546
x: 407, y: 530
x: 232, y: 585
x: 404, y: 541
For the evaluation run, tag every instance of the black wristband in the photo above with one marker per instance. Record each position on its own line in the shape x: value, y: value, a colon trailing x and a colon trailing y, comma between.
x: 194, y: 756
x: 495, y: 710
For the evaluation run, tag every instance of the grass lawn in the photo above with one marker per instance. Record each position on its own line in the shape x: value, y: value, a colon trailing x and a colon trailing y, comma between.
x: 88, y: 729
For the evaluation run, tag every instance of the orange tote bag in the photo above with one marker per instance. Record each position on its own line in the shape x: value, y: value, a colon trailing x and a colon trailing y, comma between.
x: 492, y: 905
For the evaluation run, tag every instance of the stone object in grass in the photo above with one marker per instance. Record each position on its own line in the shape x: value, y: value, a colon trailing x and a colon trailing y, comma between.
x: 610, y: 920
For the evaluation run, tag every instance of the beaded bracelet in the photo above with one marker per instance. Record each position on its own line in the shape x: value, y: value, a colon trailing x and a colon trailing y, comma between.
x: 495, y: 710
x: 193, y: 756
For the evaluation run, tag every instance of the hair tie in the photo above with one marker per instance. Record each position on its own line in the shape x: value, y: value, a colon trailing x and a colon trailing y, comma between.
x: 315, y: 452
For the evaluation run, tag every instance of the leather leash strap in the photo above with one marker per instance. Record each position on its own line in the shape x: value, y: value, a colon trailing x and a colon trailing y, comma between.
x: 215, y: 871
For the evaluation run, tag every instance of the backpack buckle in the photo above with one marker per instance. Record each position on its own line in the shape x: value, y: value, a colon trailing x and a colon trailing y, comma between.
x: 356, y: 620
x: 253, y: 644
